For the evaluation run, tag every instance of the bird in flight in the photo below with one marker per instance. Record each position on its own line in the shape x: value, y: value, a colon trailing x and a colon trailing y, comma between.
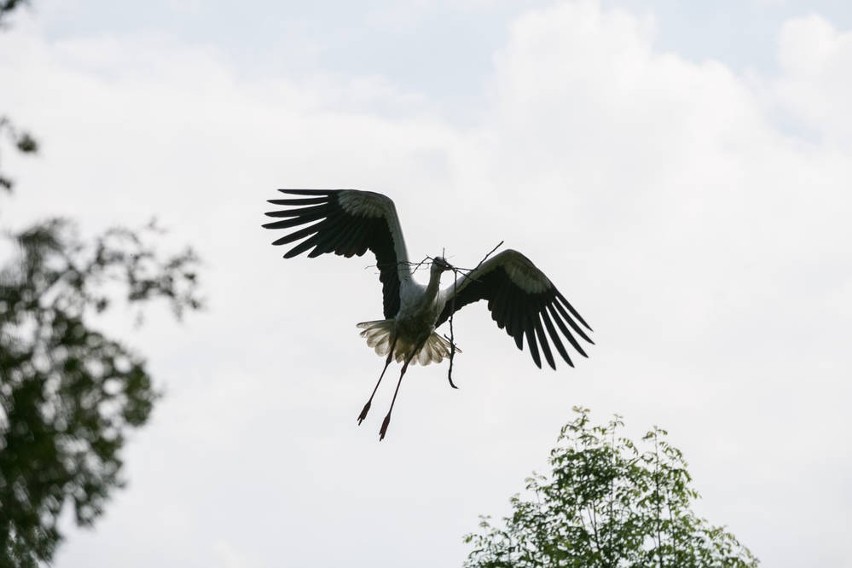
x: 521, y: 299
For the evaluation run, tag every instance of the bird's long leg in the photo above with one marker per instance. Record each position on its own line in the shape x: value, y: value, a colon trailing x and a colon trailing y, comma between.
x: 366, y: 408
x: 386, y: 421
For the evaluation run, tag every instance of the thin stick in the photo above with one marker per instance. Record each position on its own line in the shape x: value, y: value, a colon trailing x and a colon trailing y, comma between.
x: 417, y: 265
x: 456, y: 272
x: 452, y: 336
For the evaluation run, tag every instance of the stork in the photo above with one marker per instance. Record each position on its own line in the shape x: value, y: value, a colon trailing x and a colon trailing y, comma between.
x: 349, y: 222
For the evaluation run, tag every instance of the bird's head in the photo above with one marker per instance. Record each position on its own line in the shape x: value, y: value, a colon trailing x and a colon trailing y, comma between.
x: 440, y: 264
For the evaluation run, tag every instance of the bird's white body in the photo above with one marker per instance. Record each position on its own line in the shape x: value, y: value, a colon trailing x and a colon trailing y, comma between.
x: 414, y: 325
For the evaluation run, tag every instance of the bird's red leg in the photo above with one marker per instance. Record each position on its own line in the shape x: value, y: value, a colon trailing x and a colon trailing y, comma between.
x: 386, y: 421
x: 366, y: 408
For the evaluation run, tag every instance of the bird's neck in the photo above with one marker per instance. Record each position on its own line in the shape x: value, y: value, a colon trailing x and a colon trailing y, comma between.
x: 434, y: 284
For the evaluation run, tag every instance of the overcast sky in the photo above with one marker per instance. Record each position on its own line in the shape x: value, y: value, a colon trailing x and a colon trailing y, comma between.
x: 682, y: 171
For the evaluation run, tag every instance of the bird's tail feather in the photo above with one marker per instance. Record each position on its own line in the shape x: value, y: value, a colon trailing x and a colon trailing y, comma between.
x: 379, y: 335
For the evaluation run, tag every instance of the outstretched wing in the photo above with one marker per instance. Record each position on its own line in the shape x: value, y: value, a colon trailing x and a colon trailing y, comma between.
x: 524, y: 302
x: 346, y: 222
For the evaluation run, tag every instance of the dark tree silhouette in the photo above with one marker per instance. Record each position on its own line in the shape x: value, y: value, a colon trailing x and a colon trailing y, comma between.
x: 69, y: 393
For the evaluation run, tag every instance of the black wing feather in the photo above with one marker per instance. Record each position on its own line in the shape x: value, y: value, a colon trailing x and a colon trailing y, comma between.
x: 293, y: 237
x: 300, y: 201
x: 529, y: 332
x: 555, y: 337
x: 542, y: 341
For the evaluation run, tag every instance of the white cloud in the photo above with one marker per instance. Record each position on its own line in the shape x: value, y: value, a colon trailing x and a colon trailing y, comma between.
x: 706, y: 245
x: 815, y: 86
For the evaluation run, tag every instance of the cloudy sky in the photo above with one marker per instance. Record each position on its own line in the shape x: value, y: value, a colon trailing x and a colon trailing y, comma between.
x: 683, y: 172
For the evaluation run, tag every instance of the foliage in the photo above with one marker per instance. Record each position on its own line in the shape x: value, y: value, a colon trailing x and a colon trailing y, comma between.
x: 608, y: 503
x: 21, y: 140
x: 69, y: 393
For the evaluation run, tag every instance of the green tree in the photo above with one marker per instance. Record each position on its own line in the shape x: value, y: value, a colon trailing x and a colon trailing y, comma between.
x: 69, y: 393
x: 608, y: 502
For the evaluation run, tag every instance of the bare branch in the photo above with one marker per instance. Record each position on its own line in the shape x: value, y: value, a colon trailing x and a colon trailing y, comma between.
x: 451, y: 338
